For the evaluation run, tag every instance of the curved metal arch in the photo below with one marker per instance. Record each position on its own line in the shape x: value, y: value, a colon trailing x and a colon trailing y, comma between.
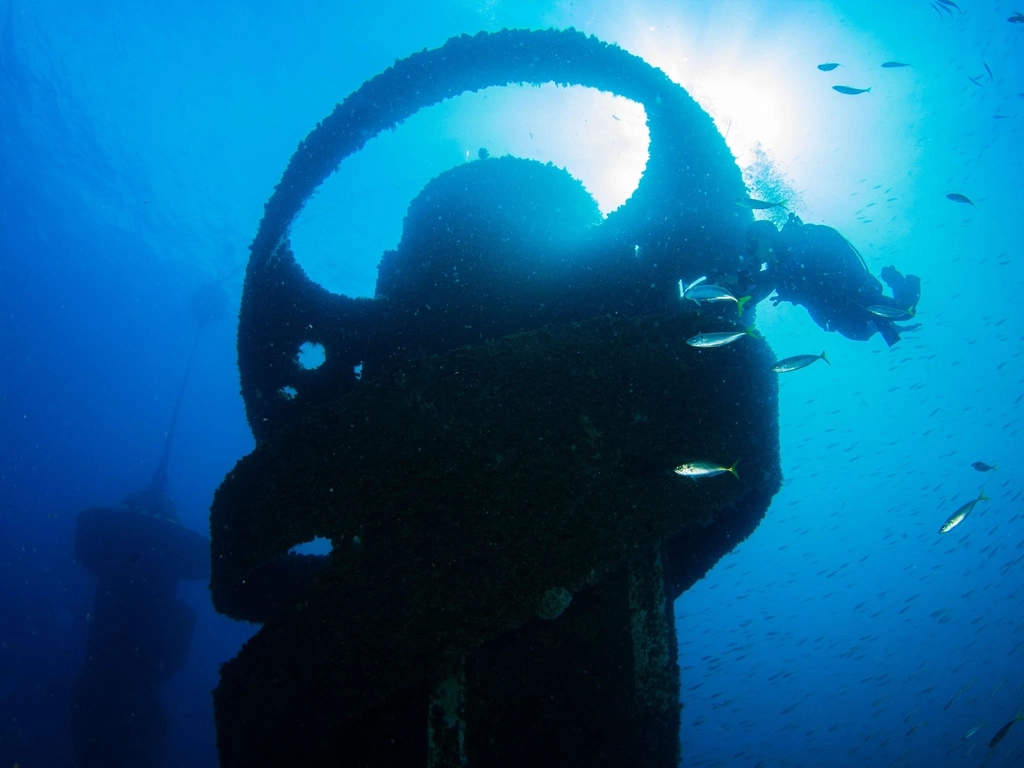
x: 685, y: 197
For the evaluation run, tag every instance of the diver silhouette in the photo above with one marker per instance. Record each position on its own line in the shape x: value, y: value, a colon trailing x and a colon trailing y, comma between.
x: 816, y: 267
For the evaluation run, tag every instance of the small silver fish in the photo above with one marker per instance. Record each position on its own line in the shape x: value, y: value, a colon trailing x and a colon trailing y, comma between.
x: 684, y: 291
x: 847, y: 90
x: 827, y: 67
x: 698, y: 281
x: 699, y: 291
x: 891, y: 313
x: 796, y: 362
x: 958, y: 517
x: 708, y: 340
x: 894, y: 65
x: 956, y: 197
x: 973, y: 731
x: 695, y: 470
x: 757, y: 205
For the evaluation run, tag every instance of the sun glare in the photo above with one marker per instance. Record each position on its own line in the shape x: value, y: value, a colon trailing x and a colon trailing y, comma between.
x: 599, y: 138
x: 754, y: 68
x: 738, y: 84
x: 746, y: 111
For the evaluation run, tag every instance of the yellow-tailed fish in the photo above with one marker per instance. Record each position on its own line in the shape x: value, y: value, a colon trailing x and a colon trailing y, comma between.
x: 796, y: 362
x: 892, y: 313
x: 708, y: 340
x: 695, y: 470
x: 961, y: 514
x: 699, y: 291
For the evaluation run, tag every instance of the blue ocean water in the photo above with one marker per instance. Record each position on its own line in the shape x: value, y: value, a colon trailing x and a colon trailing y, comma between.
x: 138, y: 145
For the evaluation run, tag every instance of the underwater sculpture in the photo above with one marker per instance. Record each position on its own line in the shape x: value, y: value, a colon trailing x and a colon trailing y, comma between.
x: 508, y: 534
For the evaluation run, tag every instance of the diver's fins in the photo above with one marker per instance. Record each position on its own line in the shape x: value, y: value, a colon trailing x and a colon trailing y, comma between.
x: 888, y: 331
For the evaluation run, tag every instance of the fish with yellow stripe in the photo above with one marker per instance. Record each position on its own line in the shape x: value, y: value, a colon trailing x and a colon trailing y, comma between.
x: 961, y: 514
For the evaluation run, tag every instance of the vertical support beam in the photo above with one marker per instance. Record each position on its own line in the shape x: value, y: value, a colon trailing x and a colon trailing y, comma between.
x: 446, y: 721
x: 655, y: 662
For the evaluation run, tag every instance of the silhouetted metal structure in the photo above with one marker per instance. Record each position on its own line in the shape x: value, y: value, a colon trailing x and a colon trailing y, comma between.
x: 508, y: 535
x: 139, y: 631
